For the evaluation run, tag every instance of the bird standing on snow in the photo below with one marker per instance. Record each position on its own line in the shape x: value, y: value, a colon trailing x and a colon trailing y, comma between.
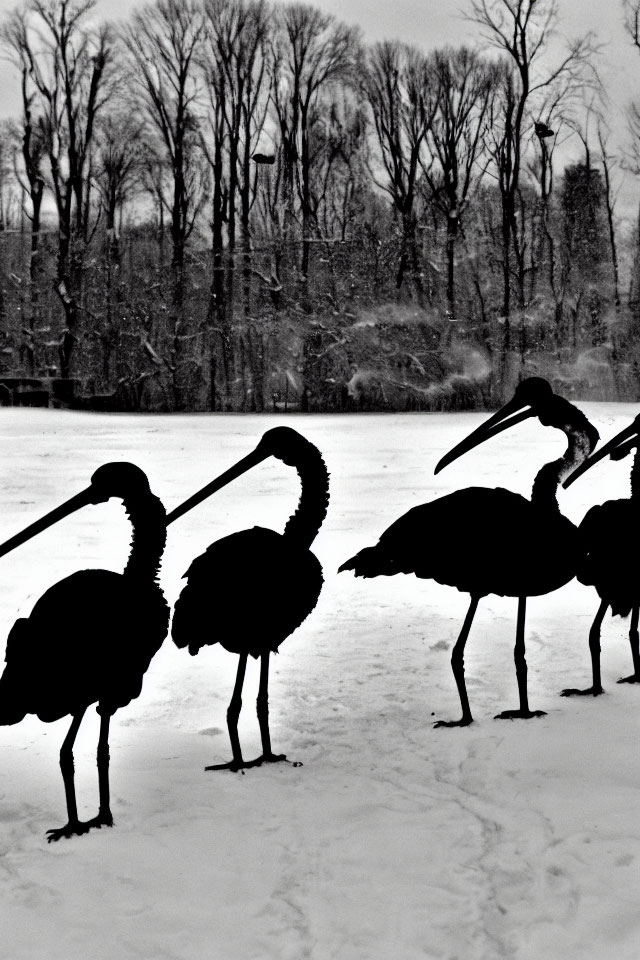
x: 607, y: 565
x: 249, y: 591
x: 90, y: 637
x: 484, y: 541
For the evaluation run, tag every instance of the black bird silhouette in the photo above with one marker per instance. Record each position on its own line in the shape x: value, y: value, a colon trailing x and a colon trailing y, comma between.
x: 606, y: 565
x: 483, y: 540
x: 90, y: 637
x: 259, y: 585
x: 542, y: 130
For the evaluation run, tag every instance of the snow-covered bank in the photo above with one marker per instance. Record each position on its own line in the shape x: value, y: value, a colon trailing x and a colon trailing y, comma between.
x: 394, y: 840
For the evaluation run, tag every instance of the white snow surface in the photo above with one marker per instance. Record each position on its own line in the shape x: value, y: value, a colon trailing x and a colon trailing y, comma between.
x: 506, y: 839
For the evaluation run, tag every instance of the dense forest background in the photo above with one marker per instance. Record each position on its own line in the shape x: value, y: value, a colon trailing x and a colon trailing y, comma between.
x: 236, y: 205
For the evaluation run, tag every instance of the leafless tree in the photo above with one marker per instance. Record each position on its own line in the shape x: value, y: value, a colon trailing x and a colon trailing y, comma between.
x: 236, y: 61
x: 314, y: 51
x: 214, y: 142
x: 116, y: 170
x: 608, y: 162
x: 65, y: 63
x: 156, y: 182
x: 592, y: 126
x: 339, y: 161
x: 14, y: 37
x: 631, y: 11
x: 465, y: 84
x: 117, y: 174
x: 631, y: 14
x: 522, y: 31
x: 163, y: 40
x: 9, y: 206
x: 400, y: 86
x: 339, y: 183
x: 9, y: 184
x: 30, y: 171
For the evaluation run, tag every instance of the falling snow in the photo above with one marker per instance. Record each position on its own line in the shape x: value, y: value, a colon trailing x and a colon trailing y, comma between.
x: 517, y: 840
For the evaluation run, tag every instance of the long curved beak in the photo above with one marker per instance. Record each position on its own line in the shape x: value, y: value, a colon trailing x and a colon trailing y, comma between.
x: 69, y: 506
x: 507, y: 416
x: 247, y: 463
x: 617, y: 448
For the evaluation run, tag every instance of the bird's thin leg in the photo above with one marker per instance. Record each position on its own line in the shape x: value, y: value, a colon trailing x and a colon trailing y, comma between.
x: 73, y: 827
x: 635, y: 648
x: 104, y: 818
x: 262, y: 705
x: 523, y: 713
x: 104, y: 813
x: 233, y: 713
x: 263, y: 715
x: 594, y: 648
x: 457, y: 665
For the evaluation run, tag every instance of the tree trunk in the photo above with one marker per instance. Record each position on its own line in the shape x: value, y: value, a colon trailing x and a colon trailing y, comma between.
x: 452, y: 234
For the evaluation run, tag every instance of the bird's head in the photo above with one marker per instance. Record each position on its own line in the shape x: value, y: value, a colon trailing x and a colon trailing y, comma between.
x: 122, y: 480
x: 617, y: 448
x: 284, y: 443
x: 533, y: 397
x: 535, y: 392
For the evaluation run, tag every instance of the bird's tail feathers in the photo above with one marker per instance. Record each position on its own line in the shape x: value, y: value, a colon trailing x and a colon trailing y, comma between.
x: 15, y: 676
x: 188, y: 626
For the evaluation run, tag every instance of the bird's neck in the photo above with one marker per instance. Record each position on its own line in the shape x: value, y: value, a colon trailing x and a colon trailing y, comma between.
x: 635, y: 477
x: 303, y: 525
x: 149, y: 535
x: 549, y: 478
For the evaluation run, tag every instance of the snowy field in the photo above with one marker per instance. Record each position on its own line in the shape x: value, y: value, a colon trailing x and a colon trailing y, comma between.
x: 394, y: 841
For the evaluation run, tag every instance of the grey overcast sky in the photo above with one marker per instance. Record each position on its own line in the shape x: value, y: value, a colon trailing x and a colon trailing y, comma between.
x: 433, y: 23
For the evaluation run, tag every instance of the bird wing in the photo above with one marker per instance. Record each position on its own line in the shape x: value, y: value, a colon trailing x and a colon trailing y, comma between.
x: 605, y: 563
x: 481, y: 540
x: 247, y: 591
x: 89, y: 638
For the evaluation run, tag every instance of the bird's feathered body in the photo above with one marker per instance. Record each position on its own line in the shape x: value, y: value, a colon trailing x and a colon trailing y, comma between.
x: 464, y: 540
x: 606, y: 561
x: 605, y: 532
x: 250, y: 591
x: 484, y: 540
x: 261, y: 584
x: 90, y: 638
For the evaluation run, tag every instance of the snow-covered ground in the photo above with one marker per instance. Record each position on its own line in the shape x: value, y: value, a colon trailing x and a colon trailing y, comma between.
x: 394, y: 840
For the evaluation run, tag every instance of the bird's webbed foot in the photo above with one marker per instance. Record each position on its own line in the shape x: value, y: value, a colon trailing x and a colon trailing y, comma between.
x: 589, y: 692
x: 634, y: 678
x: 240, y: 765
x: 104, y: 819
x: 77, y: 828
x: 235, y: 766
x: 519, y: 714
x: 275, y: 758
x: 462, y: 722
x: 72, y: 829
